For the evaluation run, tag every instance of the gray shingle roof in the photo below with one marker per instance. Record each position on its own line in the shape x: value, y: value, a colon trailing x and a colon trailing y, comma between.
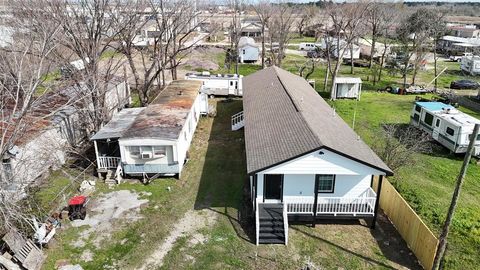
x: 285, y: 118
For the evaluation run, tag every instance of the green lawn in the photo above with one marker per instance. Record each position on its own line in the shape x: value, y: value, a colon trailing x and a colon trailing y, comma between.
x: 428, y: 184
x: 296, y: 38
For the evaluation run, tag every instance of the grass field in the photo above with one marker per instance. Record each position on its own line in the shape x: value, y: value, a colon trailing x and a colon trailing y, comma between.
x: 428, y: 184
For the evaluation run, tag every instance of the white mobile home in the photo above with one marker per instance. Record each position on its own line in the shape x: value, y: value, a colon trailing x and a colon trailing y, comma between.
x: 304, y: 162
x: 153, y: 140
x: 470, y: 64
x: 218, y: 85
x: 347, y: 87
x: 447, y: 125
x: 248, y: 51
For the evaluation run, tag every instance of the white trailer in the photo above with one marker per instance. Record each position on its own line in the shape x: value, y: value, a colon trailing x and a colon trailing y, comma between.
x: 218, y: 85
x: 447, y: 125
x: 470, y: 64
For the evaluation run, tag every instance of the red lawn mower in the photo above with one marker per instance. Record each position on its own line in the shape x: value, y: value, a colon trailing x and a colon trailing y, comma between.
x: 77, y: 207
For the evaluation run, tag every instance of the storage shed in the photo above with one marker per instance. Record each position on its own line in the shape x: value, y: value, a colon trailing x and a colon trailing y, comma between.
x: 347, y: 87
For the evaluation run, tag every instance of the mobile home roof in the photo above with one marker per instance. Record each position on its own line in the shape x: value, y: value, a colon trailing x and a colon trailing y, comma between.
x: 165, y: 117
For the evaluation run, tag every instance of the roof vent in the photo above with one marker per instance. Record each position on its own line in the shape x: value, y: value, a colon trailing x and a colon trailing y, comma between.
x: 180, y: 93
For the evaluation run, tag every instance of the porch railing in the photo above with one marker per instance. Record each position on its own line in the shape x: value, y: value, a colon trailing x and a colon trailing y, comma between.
x: 361, y: 205
x: 108, y: 162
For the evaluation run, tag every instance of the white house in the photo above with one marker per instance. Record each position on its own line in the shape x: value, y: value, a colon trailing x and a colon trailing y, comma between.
x: 218, y: 85
x: 152, y: 141
x: 347, y: 87
x: 248, y: 51
x: 447, y: 125
x: 304, y: 162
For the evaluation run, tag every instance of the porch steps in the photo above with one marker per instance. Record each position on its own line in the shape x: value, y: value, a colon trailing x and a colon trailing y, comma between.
x: 109, y: 180
x: 271, y: 225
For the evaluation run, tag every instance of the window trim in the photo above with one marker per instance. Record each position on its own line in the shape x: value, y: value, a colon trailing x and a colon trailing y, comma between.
x: 446, y: 131
x: 425, y: 118
x: 317, y: 181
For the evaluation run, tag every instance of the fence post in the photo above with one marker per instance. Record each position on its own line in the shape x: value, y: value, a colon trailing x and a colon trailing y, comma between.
x: 377, y: 202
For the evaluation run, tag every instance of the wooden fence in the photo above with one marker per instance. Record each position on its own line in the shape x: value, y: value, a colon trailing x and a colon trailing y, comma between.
x: 413, y: 230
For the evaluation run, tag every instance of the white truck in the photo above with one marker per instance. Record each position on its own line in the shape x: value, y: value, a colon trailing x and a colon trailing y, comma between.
x: 458, y: 58
x: 307, y: 46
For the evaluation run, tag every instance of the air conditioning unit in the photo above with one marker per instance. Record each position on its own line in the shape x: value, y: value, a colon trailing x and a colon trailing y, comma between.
x: 146, y: 155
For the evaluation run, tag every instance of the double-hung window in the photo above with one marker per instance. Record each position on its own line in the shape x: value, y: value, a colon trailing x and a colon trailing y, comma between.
x: 325, y: 183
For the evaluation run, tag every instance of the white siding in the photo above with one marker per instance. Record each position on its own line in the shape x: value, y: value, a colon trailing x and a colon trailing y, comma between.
x: 298, y: 185
x: 248, y: 53
x: 328, y: 163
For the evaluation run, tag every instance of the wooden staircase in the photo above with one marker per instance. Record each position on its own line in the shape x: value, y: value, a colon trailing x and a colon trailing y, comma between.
x: 272, y: 227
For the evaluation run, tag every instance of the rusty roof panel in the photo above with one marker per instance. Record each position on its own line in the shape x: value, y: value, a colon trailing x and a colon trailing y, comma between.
x: 165, y: 117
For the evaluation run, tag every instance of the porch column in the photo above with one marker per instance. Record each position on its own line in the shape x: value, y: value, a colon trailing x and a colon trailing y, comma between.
x: 255, y: 181
x: 315, y: 199
x: 377, y: 201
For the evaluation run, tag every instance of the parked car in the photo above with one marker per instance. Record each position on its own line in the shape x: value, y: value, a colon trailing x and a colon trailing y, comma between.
x: 307, y: 46
x: 464, y: 84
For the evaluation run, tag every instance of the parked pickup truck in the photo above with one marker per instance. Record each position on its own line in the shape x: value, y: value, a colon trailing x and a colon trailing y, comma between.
x: 458, y: 58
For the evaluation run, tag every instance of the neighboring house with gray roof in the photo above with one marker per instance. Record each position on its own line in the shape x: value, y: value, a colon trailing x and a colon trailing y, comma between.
x: 153, y: 140
x: 304, y: 162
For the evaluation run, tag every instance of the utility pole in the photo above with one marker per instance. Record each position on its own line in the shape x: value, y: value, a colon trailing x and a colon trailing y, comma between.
x: 453, y: 205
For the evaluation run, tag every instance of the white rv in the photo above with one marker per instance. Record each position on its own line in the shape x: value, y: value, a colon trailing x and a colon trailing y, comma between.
x: 305, y: 46
x: 447, y: 125
x: 470, y: 64
x: 218, y: 85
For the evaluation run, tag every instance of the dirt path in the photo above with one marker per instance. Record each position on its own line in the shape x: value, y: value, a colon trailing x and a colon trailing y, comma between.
x: 191, y: 222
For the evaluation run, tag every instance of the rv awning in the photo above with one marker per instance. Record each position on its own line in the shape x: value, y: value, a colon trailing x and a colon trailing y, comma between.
x: 118, y: 125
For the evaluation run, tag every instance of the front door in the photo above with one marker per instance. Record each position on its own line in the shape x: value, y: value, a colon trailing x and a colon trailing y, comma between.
x: 273, y: 186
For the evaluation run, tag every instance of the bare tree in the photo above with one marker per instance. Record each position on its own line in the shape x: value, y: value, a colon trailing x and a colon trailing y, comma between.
x: 264, y: 10
x: 399, y: 144
x: 346, y: 21
x: 166, y: 36
x: 378, y: 18
x: 305, y: 14
x: 280, y: 26
x: 414, y: 34
x: 24, y: 89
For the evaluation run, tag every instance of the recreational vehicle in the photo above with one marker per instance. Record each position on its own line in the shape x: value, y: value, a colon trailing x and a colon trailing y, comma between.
x: 470, y: 64
x: 445, y: 124
x: 218, y: 85
x: 151, y: 141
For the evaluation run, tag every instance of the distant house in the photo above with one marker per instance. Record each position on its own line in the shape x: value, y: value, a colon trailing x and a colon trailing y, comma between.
x: 304, y: 162
x: 452, y: 45
x: 465, y: 31
x: 152, y: 141
x: 251, y: 29
x: 248, y: 51
x: 347, y: 87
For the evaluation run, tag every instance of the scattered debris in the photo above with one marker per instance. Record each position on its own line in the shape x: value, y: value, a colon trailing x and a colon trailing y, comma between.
x: 104, y: 211
x: 71, y: 267
x: 25, y: 252
x: 87, y: 255
x: 87, y: 187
